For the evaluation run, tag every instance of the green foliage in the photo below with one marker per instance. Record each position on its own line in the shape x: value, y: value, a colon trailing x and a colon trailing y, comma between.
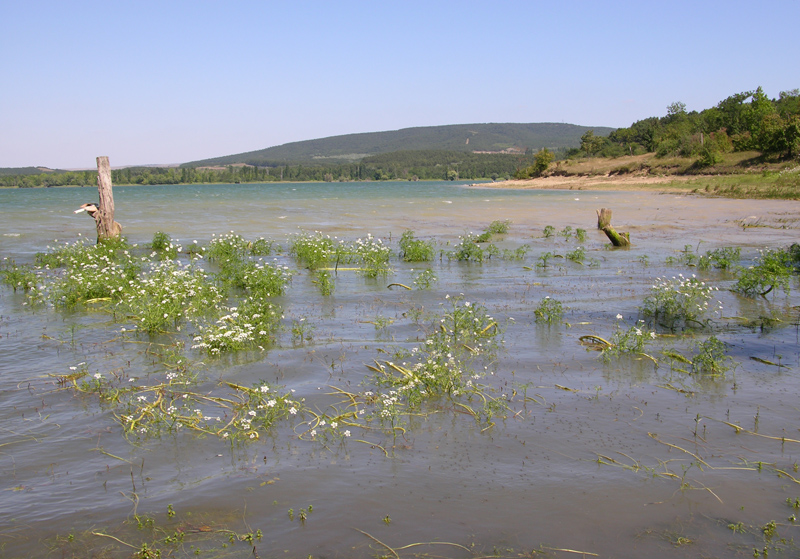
x: 425, y: 279
x: 541, y: 162
x: 679, y: 302
x: 710, y: 358
x: 440, y: 367
x: 744, y: 121
x: 374, y: 257
x: 578, y: 255
x: 548, y: 311
x: 721, y: 258
x: 495, y: 228
x: 468, y: 250
x: 325, y: 282
x: 773, y: 269
x: 315, y: 250
x: 631, y: 341
x: 548, y: 231
x: 18, y: 277
x: 416, y: 250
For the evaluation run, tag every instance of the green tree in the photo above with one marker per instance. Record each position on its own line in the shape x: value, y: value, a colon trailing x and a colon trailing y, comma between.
x: 542, y: 161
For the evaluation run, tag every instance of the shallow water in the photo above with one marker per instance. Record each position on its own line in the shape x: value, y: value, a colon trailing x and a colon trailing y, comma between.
x: 590, y: 468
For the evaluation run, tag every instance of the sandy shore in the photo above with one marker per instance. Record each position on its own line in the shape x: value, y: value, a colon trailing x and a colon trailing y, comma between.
x: 599, y: 182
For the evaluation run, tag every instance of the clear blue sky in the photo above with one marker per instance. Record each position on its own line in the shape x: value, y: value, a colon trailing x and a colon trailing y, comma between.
x: 173, y: 81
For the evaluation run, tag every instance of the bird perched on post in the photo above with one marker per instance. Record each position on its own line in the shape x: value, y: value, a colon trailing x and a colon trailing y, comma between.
x: 94, y: 212
x: 89, y: 208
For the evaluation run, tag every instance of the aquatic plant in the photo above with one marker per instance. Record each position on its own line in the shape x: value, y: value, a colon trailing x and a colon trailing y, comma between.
x: 253, y: 323
x: 548, y: 231
x: 425, y: 279
x: 516, y: 254
x: 416, y: 250
x: 468, y: 250
x: 162, y: 245
x: 772, y: 270
x: 325, y: 282
x: 679, y: 302
x: 548, y: 311
x: 18, y: 277
x: 710, y: 358
x: 314, y: 250
x: 721, y: 258
x: 373, y: 256
x: 302, y: 330
x: 495, y: 228
x: 440, y: 367
x: 578, y: 255
x: 165, y: 295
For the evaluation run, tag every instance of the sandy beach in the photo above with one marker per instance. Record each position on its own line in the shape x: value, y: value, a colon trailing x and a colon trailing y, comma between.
x: 599, y: 182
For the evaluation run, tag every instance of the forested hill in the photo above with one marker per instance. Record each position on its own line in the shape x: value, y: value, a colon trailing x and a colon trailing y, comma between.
x: 456, y: 137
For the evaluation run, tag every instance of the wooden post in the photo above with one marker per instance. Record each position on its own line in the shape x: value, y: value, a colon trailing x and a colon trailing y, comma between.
x: 107, y: 228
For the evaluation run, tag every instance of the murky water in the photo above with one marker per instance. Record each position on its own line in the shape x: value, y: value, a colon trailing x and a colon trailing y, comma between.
x: 620, y: 459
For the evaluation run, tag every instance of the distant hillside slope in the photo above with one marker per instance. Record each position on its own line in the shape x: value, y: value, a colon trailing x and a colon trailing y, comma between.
x: 456, y: 137
x: 6, y: 171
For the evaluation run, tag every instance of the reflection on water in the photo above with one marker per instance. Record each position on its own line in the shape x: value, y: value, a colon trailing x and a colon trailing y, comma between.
x: 619, y: 458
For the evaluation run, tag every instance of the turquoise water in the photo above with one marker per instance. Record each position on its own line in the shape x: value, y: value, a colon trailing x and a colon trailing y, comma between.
x: 531, y: 480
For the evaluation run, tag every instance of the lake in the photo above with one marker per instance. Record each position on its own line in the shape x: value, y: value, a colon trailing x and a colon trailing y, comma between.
x: 630, y: 456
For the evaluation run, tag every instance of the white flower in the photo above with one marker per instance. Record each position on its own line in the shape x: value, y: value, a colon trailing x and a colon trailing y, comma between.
x: 347, y: 433
x: 334, y: 424
x: 292, y: 410
x: 619, y: 317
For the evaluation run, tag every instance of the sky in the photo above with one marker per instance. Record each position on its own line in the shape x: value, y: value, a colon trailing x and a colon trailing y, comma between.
x: 164, y: 82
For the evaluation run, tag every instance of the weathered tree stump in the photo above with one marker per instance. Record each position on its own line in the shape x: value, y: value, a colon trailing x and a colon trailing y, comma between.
x: 107, y: 228
x: 603, y: 218
x: 617, y: 239
x: 604, y: 224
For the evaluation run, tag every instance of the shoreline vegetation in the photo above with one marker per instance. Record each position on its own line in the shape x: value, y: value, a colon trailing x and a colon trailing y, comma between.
x: 737, y: 175
x: 747, y: 146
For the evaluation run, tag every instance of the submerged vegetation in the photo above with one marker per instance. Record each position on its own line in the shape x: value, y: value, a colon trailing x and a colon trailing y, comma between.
x: 197, y: 307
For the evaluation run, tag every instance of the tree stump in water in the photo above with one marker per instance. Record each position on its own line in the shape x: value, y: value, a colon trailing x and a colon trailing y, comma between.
x: 617, y: 239
x: 604, y: 223
x: 107, y: 228
x: 603, y: 218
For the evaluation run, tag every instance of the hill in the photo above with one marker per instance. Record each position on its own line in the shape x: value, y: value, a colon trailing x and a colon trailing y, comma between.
x: 457, y: 137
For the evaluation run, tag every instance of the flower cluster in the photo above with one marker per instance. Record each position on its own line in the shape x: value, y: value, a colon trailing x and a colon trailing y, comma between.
x: 679, y: 302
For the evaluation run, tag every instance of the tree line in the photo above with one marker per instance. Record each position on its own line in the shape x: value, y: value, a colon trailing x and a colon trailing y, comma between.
x: 402, y: 165
x: 747, y: 121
